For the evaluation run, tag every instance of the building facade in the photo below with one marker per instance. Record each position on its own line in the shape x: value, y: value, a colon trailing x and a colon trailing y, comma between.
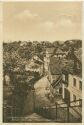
x: 35, y: 65
x: 71, y: 87
x: 48, y: 54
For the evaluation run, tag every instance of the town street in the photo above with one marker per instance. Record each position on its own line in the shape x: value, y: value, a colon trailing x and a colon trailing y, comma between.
x: 34, y: 117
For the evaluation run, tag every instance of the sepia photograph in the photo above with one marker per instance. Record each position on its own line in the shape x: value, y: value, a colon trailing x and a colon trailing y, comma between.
x: 42, y: 62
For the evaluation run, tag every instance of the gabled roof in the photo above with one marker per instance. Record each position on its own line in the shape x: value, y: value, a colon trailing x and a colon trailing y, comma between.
x: 38, y: 59
x: 58, y: 50
x: 34, y: 63
x: 78, y: 54
x: 35, y: 59
x: 54, y: 51
x: 50, y: 50
x: 69, y: 68
x: 55, y: 66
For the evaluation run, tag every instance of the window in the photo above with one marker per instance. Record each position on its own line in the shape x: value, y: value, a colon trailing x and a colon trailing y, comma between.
x: 63, y: 77
x: 80, y: 85
x: 74, y: 82
x: 74, y: 98
x: 80, y: 102
x: 66, y: 78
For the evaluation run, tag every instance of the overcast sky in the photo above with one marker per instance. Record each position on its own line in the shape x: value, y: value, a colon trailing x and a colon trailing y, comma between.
x: 42, y: 21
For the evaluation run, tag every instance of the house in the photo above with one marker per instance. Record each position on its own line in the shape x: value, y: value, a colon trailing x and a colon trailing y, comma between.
x: 53, y: 52
x: 55, y: 75
x: 35, y: 64
x: 53, y: 67
x: 48, y: 53
x: 72, y: 80
x: 71, y: 87
x: 58, y: 53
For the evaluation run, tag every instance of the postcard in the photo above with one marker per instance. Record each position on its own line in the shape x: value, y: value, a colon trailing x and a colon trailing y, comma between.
x: 41, y: 53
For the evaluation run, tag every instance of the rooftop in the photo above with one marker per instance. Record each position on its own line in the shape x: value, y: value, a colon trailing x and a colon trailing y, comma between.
x: 55, y: 66
x: 69, y: 69
x: 78, y: 54
x: 58, y: 50
x: 50, y: 50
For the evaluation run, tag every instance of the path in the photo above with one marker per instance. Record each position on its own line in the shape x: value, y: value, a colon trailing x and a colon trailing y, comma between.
x: 35, y: 118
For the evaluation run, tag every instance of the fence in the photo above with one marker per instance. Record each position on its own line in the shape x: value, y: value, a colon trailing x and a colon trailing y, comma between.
x: 10, y: 114
x: 71, y: 112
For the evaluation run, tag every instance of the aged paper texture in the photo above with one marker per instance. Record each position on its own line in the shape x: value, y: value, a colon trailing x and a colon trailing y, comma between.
x: 41, y: 62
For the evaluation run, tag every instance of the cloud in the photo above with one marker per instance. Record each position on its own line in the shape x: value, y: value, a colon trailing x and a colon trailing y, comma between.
x: 62, y: 22
x: 47, y: 25
x: 65, y: 21
x: 26, y: 14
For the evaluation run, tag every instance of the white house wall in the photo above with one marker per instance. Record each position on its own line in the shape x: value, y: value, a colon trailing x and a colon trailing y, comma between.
x: 63, y: 87
x: 74, y: 89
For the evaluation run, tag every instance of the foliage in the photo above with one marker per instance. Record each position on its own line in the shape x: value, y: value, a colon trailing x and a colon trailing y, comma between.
x: 17, y: 54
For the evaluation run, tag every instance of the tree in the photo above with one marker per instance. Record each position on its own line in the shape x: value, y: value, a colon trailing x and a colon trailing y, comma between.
x: 56, y: 43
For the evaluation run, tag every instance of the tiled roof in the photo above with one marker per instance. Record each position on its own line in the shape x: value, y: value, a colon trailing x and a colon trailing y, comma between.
x: 50, y: 50
x: 58, y: 51
x: 78, y: 54
x: 69, y: 69
x: 55, y: 66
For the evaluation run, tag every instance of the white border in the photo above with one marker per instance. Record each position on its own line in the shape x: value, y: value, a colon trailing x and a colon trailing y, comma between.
x: 1, y: 60
x: 82, y: 61
x: 41, y: 0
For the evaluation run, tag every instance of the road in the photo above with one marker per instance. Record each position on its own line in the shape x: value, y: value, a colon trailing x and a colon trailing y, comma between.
x: 35, y: 118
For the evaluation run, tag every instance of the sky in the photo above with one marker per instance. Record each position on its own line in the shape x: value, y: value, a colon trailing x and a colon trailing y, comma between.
x: 42, y: 21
